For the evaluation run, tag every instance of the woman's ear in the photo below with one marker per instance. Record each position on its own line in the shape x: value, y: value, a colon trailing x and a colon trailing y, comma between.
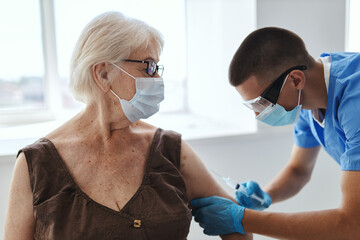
x: 298, y: 79
x: 100, y: 75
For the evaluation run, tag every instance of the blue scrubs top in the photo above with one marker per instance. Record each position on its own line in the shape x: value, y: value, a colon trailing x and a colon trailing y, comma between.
x: 340, y: 136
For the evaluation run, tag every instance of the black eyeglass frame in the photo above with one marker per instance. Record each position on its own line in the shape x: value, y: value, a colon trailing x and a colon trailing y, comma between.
x: 148, y: 69
x: 272, y: 92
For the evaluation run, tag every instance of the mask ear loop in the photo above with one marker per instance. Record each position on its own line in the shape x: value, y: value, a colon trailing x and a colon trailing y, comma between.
x: 115, y: 94
x: 284, y: 82
x: 123, y: 70
x: 125, y: 73
x: 299, y: 97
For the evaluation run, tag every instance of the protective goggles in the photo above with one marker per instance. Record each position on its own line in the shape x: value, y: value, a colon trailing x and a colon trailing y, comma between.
x: 271, y: 94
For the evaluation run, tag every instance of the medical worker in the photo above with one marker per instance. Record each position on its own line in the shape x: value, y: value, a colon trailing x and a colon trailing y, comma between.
x: 278, y: 79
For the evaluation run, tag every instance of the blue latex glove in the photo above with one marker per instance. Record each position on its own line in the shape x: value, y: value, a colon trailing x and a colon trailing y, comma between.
x: 252, y: 187
x: 218, y: 216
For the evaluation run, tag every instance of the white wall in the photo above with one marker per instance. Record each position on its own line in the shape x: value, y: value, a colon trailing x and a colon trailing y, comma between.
x: 215, y: 29
x: 6, y: 168
x: 320, y: 23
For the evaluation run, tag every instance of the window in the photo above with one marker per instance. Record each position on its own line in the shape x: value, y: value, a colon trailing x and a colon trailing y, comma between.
x: 38, y: 39
x: 22, y: 65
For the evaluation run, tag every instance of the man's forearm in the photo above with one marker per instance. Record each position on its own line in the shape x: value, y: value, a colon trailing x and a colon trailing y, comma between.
x: 327, y: 225
x: 286, y: 184
x: 292, y: 178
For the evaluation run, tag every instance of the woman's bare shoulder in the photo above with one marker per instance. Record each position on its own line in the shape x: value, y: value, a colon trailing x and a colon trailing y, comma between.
x: 19, y: 221
x: 144, y: 126
x: 144, y: 129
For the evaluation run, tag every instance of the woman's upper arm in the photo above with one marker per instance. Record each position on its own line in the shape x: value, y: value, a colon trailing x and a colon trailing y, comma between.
x: 200, y: 183
x: 198, y: 180
x: 19, y: 222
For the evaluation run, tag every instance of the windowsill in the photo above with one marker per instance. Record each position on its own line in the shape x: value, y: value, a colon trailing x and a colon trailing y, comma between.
x: 189, y: 125
x: 194, y: 127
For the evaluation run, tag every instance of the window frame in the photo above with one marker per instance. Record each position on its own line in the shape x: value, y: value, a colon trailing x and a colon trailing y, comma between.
x: 52, y: 99
x: 52, y: 96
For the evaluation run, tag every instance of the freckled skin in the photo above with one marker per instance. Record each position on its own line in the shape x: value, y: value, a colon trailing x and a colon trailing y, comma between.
x: 104, y: 152
x: 112, y: 174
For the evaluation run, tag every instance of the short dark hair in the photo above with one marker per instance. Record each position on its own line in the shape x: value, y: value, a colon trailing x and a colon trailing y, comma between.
x: 266, y: 53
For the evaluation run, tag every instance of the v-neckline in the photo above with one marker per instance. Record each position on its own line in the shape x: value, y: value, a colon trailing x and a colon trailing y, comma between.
x: 87, y: 197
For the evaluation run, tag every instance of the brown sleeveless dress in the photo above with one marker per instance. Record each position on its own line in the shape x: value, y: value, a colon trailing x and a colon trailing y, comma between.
x: 158, y: 210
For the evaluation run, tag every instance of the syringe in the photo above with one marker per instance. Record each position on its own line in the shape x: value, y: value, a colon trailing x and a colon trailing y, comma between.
x: 239, y: 187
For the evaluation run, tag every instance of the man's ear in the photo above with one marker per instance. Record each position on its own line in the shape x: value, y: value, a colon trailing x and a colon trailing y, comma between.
x: 298, y: 79
x: 100, y: 75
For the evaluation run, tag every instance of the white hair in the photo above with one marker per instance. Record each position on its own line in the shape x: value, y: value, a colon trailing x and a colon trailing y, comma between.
x: 109, y: 37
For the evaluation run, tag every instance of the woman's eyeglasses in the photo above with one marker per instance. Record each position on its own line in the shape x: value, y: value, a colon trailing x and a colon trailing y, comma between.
x: 151, y: 69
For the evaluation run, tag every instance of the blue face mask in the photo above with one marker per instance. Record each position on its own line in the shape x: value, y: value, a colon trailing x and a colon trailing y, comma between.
x: 146, y: 101
x: 276, y: 115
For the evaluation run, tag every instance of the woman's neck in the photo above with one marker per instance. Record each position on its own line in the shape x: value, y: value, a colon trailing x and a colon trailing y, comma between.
x: 96, y: 121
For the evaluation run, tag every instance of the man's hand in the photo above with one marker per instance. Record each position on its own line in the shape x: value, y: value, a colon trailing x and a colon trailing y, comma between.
x: 245, y: 199
x: 218, y: 216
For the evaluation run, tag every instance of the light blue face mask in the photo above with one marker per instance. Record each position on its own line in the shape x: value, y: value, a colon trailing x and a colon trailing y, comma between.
x: 276, y: 115
x: 146, y: 101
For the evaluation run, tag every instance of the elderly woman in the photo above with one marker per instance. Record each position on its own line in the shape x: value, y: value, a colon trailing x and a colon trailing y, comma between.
x: 104, y: 174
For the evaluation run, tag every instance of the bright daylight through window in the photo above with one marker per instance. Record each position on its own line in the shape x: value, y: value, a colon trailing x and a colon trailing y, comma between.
x: 22, y: 65
x: 24, y: 84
